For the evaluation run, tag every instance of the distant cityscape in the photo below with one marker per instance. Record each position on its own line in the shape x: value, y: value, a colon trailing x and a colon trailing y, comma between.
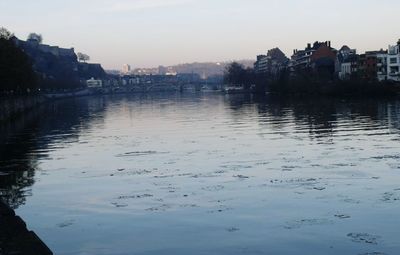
x: 204, y: 69
x: 58, y: 69
x: 344, y: 63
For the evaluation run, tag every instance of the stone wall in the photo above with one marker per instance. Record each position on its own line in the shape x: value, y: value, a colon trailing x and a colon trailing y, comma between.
x: 12, y: 107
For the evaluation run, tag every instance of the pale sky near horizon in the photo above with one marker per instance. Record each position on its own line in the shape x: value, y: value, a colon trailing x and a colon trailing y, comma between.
x: 148, y: 33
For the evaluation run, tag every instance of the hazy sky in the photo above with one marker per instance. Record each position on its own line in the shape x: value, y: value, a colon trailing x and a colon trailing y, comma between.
x: 147, y: 33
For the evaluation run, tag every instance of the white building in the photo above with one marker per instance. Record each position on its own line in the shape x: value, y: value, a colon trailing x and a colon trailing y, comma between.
x: 393, y: 63
x: 345, y: 70
x: 389, y: 64
x: 382, y: 66
x: 92, y: 83
x: 126, y: 69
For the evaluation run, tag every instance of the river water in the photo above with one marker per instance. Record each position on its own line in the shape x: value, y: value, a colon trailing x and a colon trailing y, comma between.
x: 207, y: 174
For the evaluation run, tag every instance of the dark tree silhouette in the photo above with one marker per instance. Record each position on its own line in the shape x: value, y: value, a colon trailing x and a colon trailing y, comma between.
x: 16, y: 72
x: 83, y: 57
x: 36, y: 37
x: 237, y: 75
x: 5, y: 34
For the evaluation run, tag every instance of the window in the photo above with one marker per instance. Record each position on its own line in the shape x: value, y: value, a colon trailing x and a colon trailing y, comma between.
x: 394, y: 70
x: 393, y: 60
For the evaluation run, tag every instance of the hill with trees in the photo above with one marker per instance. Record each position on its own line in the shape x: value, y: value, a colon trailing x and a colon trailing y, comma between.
x: 16, y: 72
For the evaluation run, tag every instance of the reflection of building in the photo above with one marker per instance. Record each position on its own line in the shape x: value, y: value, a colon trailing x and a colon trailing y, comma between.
x: 126, y: 69
x: 92, y: 83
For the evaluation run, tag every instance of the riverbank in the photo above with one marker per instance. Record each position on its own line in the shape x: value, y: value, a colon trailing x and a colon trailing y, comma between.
x: 336, y: 88
x: 14, y: 106
x: 309, y: 89
x: 15, y: 238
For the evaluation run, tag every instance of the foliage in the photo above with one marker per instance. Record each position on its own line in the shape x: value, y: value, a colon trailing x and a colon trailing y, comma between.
x: 5, y: 34
x: 16, y: 73
x: 36, y: 37
x: 83, y: 57
x: 303, y: 84
x: 236, y: 74
x: 308, y: 81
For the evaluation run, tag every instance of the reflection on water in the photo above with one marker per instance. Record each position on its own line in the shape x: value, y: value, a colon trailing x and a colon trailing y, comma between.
x: 27, y: 139
x: 207, y: 174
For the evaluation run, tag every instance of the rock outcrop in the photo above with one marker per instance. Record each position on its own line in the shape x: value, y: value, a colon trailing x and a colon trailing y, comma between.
x: 58, y: 68
x: 15, y: 238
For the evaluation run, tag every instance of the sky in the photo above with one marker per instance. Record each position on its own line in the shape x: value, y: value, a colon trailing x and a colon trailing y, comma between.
x: 148, y: 33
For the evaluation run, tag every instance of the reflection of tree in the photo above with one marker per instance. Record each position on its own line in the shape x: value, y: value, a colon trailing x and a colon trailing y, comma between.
x: 319, y: 117
x: 17, y: 169
x: 14, y: 185
x: 22, y: 139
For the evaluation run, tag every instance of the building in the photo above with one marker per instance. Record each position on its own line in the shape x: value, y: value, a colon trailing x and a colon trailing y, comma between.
x: 388, y: 64
x: 261, y: 65
x: 33, y: 44
x: 382, y: 66
x: 126, y: 69
x: 162, y: 70
x: 272, y: 63
x: 323, y: 62
x: 368, y: 65
x: 345, y: 71
x: 301, y: 59
x: 393, y: 63
x: 346, y: 63
x: 92, y: 83
x: 317, y: 61
x: 57, y: 67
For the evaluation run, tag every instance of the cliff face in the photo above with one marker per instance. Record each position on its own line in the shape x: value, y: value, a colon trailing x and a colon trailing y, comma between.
x: 58, y: 68
x: 87, y: 71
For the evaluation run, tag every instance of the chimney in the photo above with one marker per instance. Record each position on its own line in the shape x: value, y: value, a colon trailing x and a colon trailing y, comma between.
x: 308, y: 45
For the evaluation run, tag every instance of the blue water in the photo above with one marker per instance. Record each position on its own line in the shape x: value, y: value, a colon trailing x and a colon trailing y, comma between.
x: 209, y: 174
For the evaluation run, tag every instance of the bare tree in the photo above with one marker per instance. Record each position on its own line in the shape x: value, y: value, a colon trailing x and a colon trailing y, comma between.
x: 5, y: 34
x: 36, y: 37
x: 83, y: 57
x: 237, y: 74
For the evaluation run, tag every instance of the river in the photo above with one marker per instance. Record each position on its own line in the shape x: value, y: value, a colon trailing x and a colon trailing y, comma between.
x: 207, y: 174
